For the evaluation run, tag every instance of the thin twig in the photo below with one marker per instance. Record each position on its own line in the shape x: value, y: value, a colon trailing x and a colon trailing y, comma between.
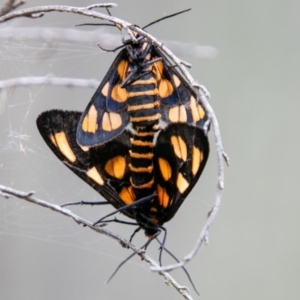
x: 39, y: 11
x: 48, y: 80
x: 28, y: 196
x: 10, y: 5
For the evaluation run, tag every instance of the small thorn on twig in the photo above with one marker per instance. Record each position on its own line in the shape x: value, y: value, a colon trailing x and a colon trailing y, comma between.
x: 29, y: 194
x: 185, y: 63
x: 35, y: 15
x: 204, y: 90
x: 124, y: 245
x: 226, y: 158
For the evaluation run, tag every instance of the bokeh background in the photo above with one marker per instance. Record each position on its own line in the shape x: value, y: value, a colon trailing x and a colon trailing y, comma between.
x: 253, y: 250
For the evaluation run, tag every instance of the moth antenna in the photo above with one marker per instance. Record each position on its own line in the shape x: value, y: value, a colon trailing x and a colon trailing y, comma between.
x: 166, y: 17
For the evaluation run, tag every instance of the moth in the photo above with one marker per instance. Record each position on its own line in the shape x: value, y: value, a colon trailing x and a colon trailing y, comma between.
x: 141, y: 141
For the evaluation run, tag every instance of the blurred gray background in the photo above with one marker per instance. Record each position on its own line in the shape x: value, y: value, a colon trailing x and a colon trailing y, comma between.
x: 253, y: 250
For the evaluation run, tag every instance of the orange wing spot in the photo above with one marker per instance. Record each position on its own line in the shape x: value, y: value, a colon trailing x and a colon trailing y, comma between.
x: 60, y: 140
x: 90, y: 123
x: 179, y: 147
x: 127, y: 195
x: 122, y: 69
x: 115, y: 167
x: 181, y: 183
x: 162, y: 196
x: 176, y: 80
x: 111, y: 121
x: 165, y: 88
x: 158, y: 70
x: 119, y: 94
x: 165, y: 168
x: 95, y: 176
x: 196, y: 160
x: 104, y: 90
x: 198, y: 112
x: 178, y: 114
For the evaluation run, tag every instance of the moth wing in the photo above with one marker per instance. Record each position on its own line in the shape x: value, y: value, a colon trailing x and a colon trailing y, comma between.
x: 104, y: 168
x: 106, y: 116
x: 181, y: 153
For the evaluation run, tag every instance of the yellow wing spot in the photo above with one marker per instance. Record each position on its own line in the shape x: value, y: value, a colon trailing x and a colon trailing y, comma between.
x: 111, y: 121
x: 104, y: 90
x: 115, y: 167
x: 127, y: 195
x: 179, y: 147
x: 162, y: 196
x: 119, y: 94
x: 95, y: 176
x: 196, y: 160
x: 178, y: 114
x: 90, y: 123
x: 165, y: 168
x: 201, y: 111
x: 158, y: 70
x: 165, y: 88
x: 194, y: 109
x: 176, y: 80
x: 60, y: 140
x: 52, y: 139
x: 198, y: 112
x: 181, y: 183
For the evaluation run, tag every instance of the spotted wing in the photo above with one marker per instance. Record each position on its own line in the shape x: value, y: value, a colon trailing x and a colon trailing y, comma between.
x: 106, y: 114
x: 178, y: 101
x: 104, y: 168
x: 181, y: 153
